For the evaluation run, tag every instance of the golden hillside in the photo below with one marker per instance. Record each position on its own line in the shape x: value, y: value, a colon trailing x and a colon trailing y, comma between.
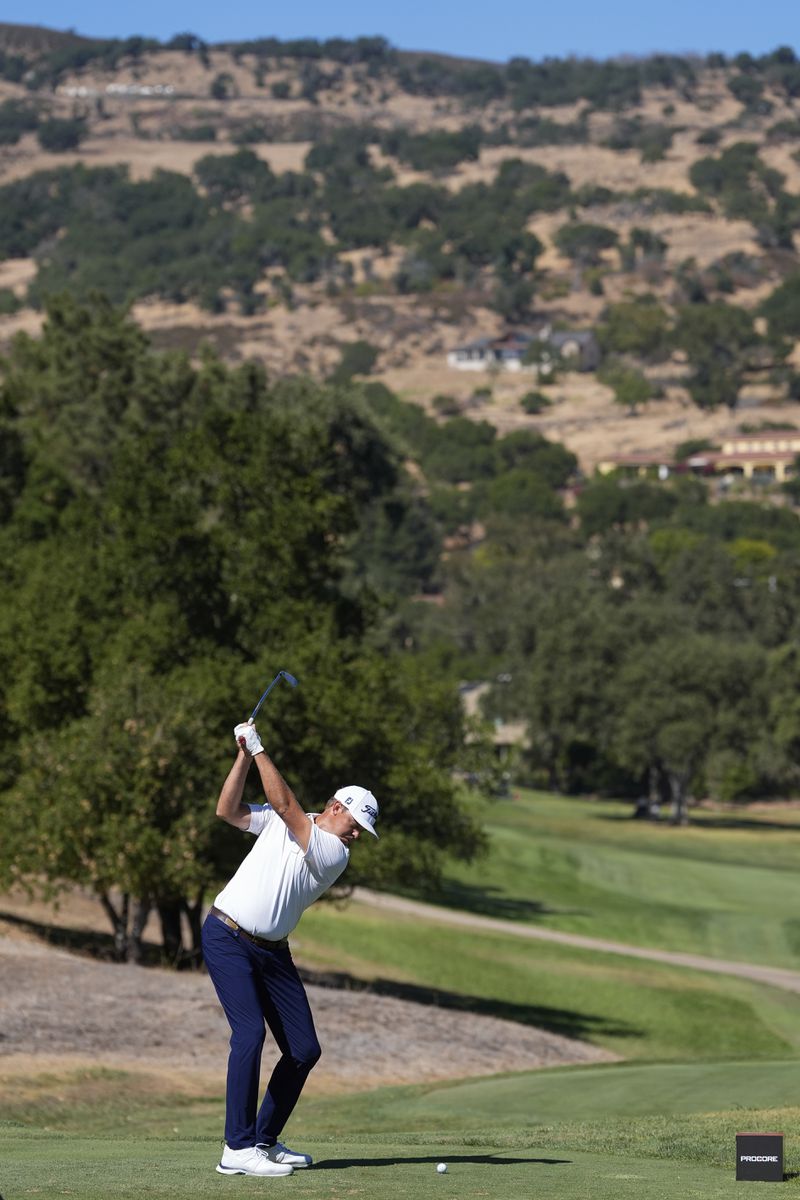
x: 628, y: 169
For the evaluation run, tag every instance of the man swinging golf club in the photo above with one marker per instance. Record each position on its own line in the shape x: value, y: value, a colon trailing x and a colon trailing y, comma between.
x: 297, y: 856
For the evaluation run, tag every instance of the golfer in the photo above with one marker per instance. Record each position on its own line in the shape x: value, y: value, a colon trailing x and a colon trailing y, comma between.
x: 297, y: 856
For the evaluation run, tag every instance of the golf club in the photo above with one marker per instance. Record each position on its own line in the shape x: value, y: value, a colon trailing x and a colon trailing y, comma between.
x: 290, y: 679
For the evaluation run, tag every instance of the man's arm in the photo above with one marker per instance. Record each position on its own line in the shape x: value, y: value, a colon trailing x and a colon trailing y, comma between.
x: 229, y: 806
x: 282, y: 799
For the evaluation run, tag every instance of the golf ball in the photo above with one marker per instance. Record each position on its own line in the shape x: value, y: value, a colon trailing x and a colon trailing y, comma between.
x: 442, y: 1168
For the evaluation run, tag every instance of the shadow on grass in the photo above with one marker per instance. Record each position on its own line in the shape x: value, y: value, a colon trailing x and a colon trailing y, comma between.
x: 488, y: 901
x: 557, y: 1020
x: 341, y: 1164
x: 81, y: 941
x: 702, y: 821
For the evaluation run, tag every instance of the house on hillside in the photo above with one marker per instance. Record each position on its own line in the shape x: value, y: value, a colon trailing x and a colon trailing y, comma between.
x: 505, y: 735
x: 578, y: 349
x: 765, y: 457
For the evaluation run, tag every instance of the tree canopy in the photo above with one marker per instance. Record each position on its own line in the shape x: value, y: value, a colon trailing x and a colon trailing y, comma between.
x: 172, y: 535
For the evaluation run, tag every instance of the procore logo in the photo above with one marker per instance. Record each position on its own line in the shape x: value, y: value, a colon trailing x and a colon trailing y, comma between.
x: 758, y: 1158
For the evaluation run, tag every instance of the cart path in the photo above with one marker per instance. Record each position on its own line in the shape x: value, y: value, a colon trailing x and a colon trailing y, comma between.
x: 774, y: 976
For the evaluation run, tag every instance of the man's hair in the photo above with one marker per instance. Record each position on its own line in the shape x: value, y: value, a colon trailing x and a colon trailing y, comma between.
x: 331, y: 802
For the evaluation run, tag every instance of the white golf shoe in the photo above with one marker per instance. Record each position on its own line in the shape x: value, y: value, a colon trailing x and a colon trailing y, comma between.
x: 283, y: 1155
x: 251, y: 1161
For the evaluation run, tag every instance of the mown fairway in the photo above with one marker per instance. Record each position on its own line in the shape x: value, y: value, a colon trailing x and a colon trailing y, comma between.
x: 371, y: 1167
x: 637, y: 1009
x: 728, y: 886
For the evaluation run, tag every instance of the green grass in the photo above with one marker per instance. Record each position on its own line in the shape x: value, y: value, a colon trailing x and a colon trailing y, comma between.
x: 727, y: 886
x: 515, y: 1167
x: 707, y: 1055
x: 129, y: 1103
x: 533, y: 1099
x: 638, y: 1009
x: 491, y: 1155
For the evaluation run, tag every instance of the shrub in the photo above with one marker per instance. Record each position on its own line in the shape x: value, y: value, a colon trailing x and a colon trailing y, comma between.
x: 445, y: 406
x: 195, y: 133
x: 534, y: 402
x: 358, y: 358
x: 222, y: 86
x: 16, y: 119
x: 58, y: 135
x: 708, y: 137
x: 692, y: 446
x: 8, y: 302
x: 584, y: 242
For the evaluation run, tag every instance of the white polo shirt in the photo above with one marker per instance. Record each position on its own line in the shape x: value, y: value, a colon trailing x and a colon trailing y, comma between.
x: 276, y: 882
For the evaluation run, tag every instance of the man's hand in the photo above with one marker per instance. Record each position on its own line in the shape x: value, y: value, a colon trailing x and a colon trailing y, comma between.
x: 247, y: 738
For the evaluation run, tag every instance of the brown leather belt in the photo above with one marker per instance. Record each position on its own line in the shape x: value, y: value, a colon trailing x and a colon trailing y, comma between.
x: 251, y: 937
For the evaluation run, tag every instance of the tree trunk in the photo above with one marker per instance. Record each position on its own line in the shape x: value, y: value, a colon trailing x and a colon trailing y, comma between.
x: 119, y: 923
x: 678, y: 811
x: 169, y: 912
x: 140, y: 914
x: 194, y: 914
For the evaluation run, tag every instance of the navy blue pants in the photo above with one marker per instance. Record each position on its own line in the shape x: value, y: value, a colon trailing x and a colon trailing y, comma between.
x: 259, y: 988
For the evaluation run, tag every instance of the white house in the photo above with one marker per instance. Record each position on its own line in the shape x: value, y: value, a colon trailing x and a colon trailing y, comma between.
x: 578, y: 348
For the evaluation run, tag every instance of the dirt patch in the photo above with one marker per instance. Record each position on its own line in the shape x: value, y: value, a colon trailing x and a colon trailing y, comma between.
x: 61, y: 1011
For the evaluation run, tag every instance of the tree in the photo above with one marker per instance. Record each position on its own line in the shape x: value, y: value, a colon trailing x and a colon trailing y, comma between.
x: 608, y: 502
x: 521, y: 493
x: 630, y: 387
x: 584, y: 243
x: 562, y: 689
x: 639, y: 328
x: 170, y: 526
x: 782, y: 308
x: 61, y: 134
x: 719, y: 341
x: 681, y: 699
x: 526, y: 448
x: 222, y: 86
x: 357, y: 358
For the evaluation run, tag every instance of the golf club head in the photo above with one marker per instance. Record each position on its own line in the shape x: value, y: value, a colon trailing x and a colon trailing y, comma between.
x: 290, y: 679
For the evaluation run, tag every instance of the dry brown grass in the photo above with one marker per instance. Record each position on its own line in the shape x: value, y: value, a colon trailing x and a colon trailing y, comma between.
x: 413, y: 333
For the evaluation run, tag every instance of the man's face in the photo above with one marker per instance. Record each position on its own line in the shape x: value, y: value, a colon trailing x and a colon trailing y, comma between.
x: 339, y: 822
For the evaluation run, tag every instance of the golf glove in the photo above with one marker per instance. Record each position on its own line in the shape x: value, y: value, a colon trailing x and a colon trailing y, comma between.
x: 249, y: 735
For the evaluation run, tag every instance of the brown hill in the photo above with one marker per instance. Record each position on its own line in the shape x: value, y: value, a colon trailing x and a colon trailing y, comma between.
x: 146, y: 108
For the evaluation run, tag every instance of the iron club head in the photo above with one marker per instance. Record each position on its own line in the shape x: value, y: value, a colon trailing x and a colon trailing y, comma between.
x: 290, y: 679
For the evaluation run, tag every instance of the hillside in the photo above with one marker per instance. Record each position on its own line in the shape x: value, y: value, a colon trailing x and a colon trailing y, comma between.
x: 383, y: 212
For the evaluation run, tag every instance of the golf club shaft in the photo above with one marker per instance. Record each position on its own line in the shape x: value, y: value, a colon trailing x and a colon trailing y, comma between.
x: 257, y: 708
x: 290, y: 679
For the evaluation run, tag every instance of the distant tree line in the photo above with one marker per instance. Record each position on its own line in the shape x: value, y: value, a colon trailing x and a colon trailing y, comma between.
x: 650, y: 648
x: 524, y: 83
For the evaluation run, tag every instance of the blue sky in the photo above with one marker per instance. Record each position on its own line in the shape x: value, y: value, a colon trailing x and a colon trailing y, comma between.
x: 497, y: 30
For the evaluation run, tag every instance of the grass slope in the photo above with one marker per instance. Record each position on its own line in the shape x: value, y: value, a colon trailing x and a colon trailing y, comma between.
x: 637, y: 1009
x: 598, y: 1094
x: 728, y: 886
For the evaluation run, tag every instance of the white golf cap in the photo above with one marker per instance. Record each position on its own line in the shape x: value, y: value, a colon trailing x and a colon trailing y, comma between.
x: 361, y: 804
